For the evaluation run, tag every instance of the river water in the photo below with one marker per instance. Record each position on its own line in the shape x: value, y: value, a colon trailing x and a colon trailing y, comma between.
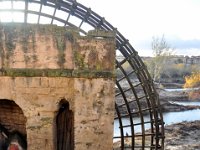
x: 169, y: 118
x: 188, y: 103
x: 182, y: 89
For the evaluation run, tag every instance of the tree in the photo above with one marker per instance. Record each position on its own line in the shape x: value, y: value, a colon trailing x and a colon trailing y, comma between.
x: 161, y: 52
x: 192, y: 81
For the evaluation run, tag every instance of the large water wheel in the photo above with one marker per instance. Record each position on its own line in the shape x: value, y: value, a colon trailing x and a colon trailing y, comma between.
x: 138, y: 119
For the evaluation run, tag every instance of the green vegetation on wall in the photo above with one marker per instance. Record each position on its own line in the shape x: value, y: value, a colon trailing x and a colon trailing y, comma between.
x: 61, y: 46
x: 56, y: 73
x: 14, y: 33
x: 61, y: 37
x: 79, y: 60
x: 10, y: 37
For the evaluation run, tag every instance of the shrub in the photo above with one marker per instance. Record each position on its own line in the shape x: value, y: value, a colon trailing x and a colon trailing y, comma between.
x: 192, y: 81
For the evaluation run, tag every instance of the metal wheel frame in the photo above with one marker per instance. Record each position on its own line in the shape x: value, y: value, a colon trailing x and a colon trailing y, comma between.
x: 134, y: 86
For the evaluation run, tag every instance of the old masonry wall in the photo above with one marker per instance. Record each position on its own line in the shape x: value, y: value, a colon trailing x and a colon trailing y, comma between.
x: 42, y: 64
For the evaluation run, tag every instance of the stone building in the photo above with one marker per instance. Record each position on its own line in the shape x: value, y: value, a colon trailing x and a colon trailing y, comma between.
x: 45, y: 69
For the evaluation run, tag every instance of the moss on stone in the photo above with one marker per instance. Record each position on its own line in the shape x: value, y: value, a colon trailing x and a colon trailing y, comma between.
x: 59, y: 73
x: 34, y: 127
x: 26, y: 35
x: 101, y: 33
x: 98, y: 66
x: 10, y: 37
x: 47, y: 120
x: 70, y: 36
x: 26, y: 59
x: 33, y: 40
x: 56, y: 73
x: 2, y: 53
x: 35, y: 59
x: 79, y: 60
x: 61, y: 46
x: 50, y: 29
x: 61, y: 35
x: 27, y: 32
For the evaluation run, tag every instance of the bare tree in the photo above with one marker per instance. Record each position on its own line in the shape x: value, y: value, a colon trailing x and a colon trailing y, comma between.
x: 161, y: 52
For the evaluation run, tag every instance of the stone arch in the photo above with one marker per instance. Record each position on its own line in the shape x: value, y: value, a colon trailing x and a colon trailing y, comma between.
x: 135, y: 92
x: 12, y: 118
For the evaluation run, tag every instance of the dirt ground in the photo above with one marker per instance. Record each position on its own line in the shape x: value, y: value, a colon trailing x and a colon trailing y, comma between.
x: 183, y: 136
x: 180, y: 136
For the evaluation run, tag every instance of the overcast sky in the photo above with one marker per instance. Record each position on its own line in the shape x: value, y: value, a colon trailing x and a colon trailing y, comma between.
x: 140, y: 20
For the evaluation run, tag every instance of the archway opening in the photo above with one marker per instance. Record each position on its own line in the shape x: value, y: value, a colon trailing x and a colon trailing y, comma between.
x: 12, y: 125
x: 65, y: 127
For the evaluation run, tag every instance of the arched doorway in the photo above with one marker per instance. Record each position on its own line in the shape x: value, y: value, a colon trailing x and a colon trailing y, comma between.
x: 12, y: 124
x: 64, y: 127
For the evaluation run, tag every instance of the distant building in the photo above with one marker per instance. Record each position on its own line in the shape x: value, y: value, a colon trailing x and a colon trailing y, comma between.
x: 179, y: 59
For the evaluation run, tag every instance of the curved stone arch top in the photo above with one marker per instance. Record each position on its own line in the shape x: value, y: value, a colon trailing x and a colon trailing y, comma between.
x: 137, y: 105
x: 9, y: 109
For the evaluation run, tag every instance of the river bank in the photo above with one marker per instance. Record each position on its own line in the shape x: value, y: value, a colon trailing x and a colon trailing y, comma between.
x: 179, y: 136
x: 184, y: 135
x: 169, y: 100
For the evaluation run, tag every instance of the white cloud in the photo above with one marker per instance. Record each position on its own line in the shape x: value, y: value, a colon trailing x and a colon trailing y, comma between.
x: 188, y: 52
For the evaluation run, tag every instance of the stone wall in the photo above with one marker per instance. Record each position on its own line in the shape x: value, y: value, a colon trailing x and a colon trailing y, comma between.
x: 40, y: 65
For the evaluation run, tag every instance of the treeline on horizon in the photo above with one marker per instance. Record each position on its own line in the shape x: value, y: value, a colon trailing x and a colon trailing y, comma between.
x: 174, y: 70
x: 165, y: 67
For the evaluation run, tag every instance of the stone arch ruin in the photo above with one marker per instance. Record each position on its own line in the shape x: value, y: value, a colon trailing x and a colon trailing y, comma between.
x: 137, y: 105
x: 9, y: 110
x: 12, y: 122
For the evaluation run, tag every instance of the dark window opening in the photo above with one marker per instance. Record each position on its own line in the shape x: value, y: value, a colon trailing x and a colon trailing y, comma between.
x: 64, y: 126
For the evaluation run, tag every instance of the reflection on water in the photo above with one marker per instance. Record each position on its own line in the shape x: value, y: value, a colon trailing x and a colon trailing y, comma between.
x: 182, y: 89
x: 169, y: 118
x: 188, y: 103
x: 175, y: 117
x: 127, y: 130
